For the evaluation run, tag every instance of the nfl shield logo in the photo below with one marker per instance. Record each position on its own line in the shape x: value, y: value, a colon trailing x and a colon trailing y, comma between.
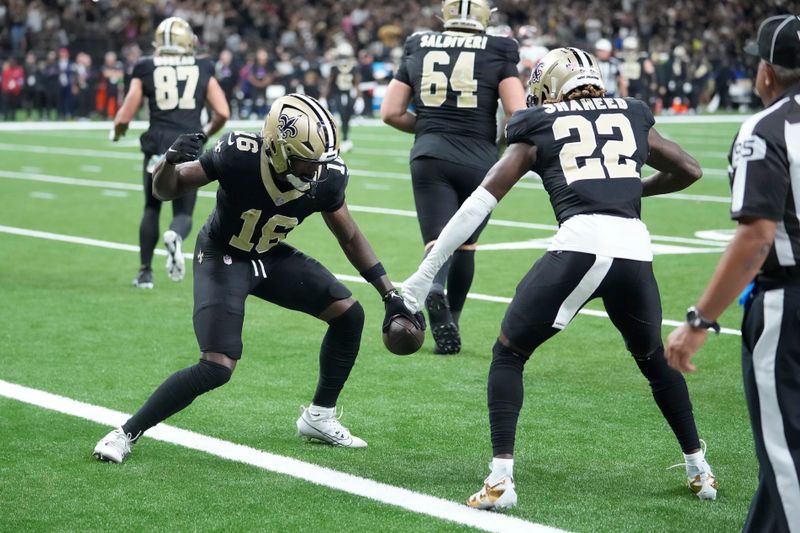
x: 227, y: 259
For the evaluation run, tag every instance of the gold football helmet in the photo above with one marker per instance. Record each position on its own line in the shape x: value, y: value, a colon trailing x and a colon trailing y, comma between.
x: 298, y: 127
x: 560, y: 71
x: 174, y: 36
x: 470, y: 15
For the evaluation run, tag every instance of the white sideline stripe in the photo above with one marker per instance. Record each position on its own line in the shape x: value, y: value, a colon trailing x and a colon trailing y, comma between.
x: 344, y: 277
x: 63, y: 180
x: 318, y: 475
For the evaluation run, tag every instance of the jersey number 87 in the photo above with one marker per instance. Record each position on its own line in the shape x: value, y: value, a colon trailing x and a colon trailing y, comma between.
x: 166, y: 81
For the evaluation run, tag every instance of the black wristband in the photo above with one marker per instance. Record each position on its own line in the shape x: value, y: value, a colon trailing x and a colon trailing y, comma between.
x: 374, y: 272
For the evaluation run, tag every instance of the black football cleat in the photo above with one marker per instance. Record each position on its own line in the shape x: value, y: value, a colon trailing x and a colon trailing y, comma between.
x: 144, y: 279
x: 443, y: 327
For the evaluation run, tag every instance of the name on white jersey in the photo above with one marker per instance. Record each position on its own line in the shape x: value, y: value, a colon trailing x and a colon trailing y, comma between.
x: 586, y: 104
x: 173, y: 61
x: 438, y: 40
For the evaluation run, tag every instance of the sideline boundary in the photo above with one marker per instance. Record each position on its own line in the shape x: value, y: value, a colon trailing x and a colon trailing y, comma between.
x: 319, y: 475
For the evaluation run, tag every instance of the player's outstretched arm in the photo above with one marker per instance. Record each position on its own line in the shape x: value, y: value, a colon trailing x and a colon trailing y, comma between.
x: 127, y: 110
x: 676, y: 168
x: 394, y: 108
x: 363, y: 258
x: 221, y: 112
x: 179, y: 171
x: 516, y: 161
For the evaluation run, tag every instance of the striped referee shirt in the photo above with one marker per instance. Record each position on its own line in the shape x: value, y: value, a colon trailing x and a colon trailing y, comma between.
x: 765, y: 175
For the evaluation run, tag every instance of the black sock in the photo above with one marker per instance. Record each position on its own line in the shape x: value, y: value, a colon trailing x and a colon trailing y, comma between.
x: 441, y: 277
x: 459, y: 280
x: 148, y: 235
x: 672, y: 397
x: 338, y: 354
x: 505, y: 393
x: 177, y: 392
x: 182, y: 225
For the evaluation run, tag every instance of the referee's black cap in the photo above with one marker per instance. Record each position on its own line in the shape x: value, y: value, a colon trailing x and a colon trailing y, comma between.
x: 778, y: 41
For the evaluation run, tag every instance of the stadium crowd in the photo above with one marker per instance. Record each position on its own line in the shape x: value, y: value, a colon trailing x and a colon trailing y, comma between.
x: 72, y: 58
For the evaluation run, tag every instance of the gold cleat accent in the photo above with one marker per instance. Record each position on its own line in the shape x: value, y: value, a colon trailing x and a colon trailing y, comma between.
x: 704, y: 489
x: 501, y: 495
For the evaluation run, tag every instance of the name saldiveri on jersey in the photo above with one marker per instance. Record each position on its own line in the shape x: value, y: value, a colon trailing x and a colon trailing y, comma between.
x: 590, y: 153
x: 254, y: 211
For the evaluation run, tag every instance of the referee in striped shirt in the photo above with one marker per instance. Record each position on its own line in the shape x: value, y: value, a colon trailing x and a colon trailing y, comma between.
x: 765, y: 183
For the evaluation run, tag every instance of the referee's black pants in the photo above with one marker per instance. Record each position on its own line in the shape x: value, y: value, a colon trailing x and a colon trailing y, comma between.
x: 771, y: 371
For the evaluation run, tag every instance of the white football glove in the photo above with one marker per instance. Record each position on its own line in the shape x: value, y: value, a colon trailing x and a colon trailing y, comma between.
x: 415, y: 289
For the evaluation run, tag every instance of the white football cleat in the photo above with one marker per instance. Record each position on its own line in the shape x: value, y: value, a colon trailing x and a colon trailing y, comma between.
x: 114, y: 447
x: 322, y: 424
x: 499, y: 496
x: 346, y: 146
x: 176, y: 264
x: 700, y: 479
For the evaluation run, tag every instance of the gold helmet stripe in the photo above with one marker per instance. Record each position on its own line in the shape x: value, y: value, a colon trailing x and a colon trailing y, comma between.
x: 323, y: 117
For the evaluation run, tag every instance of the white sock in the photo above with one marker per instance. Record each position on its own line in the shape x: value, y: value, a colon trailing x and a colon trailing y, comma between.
x: 695, y: 459
x: 501, y: 468
x: 321, y: 412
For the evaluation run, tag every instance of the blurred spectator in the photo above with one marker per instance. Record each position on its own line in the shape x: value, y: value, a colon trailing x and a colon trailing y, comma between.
x: 66, y: 81
x: 50, y: 75
x: 226, y: 74
x: 33, y: 91
x: 84, y: 86
x: 111, y: 86
x: 13, y: 79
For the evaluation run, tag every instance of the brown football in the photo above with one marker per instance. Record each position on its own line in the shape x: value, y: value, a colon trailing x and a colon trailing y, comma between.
x: 403, y: 337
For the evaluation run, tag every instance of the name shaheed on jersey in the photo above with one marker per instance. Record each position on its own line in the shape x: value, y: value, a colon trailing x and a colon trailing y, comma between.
x: 268, y: 184
x: 589, y: 151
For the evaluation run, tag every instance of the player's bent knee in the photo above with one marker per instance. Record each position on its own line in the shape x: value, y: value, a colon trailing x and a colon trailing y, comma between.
x: 219, y: 359
x: 337, y: 309
x: 351, y: 319
x: 212, y: 374
x: 504, y: 345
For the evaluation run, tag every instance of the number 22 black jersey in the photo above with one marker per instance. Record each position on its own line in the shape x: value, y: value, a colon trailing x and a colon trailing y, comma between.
x: 455, y: 77
x: 175, y: 87
x: 589, y: 153
x: 253, y: 212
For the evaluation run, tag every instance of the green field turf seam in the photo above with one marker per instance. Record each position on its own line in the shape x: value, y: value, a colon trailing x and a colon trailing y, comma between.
x: 326, y: 477
x: 344, y: 277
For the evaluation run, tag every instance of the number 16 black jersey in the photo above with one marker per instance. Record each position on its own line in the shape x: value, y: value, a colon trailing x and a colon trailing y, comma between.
x: 589, y: 153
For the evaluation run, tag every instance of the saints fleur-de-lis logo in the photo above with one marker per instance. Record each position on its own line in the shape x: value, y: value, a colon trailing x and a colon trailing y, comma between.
x: 286, y: 126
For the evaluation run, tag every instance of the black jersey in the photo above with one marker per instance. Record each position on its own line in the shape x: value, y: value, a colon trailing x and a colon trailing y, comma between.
x: 343, y: 77
x: 253, y: 211
x: 589, y: 153
x: 175, y: 87
x: 455, y: 77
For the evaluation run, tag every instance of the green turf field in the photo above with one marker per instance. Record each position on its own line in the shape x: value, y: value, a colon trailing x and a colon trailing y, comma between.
x: 592, y: 447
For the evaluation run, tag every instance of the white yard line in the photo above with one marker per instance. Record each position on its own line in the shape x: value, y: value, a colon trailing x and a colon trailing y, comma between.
x: 80, y: 182
x: 713, y: 173
x: 367, y: 488
x: 344, y: 277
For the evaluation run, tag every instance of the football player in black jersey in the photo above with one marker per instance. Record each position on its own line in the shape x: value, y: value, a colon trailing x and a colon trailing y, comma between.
x: 268, y: 184
x: 342, y: 89
x: 453, y: 79
x: 177, y: 86
x: 589, y: 151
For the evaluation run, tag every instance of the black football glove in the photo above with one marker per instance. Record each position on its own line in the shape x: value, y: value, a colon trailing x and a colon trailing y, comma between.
x: 187, y: 147
x: 395, y: 306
